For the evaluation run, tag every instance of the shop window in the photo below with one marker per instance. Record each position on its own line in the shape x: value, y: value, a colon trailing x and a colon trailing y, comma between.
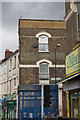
x: 74, y: 105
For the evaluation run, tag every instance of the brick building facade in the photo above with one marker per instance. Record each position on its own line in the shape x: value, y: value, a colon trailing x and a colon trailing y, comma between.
x: 37, y: 42
x: 72, y: 29
x: 71, y: 85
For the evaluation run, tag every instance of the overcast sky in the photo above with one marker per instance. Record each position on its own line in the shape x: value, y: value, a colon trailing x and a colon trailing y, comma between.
x: 10, y: 12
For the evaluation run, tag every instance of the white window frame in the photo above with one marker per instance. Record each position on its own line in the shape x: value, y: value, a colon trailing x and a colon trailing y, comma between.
x: 44, y: 44
x: 15, y: 79
x: 43, y: 73
x: 48, y: 35
x: 15, y: 62
x: 10, y: 64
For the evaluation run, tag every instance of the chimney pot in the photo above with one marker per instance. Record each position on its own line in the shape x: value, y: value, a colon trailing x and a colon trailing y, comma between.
x: 7, y: 53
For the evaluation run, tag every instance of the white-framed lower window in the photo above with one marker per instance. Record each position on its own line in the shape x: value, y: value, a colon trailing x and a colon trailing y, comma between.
x: 14, y: 81
x: 5, y: 88
x: 43, y: 43
x: 44, y: 71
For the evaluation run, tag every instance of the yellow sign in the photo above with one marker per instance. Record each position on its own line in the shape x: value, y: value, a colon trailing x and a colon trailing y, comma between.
x: 68, y: 108
x: 73, y: 62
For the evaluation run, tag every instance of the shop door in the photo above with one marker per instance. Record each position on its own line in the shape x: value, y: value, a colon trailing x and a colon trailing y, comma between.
x: 11, y: 112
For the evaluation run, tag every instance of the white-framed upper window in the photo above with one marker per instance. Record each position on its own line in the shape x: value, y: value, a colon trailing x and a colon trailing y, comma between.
x: 43, y: 43
x: 5, y: 68
x: 14, y: 61
x: 43, y: 37
x: 44, y: 71
x: 10, y: 65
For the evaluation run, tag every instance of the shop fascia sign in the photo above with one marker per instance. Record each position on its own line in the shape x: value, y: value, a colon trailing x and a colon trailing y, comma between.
x: 11, y: 97
x: 73, y: 62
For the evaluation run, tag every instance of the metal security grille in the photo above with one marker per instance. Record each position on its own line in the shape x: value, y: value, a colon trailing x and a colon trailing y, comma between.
x: 30, y: 102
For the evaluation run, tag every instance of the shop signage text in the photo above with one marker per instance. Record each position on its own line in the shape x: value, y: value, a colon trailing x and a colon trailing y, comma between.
x: 73, y: 62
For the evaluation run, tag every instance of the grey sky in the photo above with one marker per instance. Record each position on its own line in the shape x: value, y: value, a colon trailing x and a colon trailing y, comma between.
x: 11, y: 11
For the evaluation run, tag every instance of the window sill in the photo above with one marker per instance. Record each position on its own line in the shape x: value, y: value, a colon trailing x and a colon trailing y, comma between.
x: 44, y: 51
x: 43, y: 81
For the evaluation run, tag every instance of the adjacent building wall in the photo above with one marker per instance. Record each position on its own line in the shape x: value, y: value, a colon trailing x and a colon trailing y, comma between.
x: 9, y: 76
x: 72, y: 40
x: 71, y: 26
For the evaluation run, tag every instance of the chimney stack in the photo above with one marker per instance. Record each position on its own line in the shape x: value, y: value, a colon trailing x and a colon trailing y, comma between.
x: 7, y: 53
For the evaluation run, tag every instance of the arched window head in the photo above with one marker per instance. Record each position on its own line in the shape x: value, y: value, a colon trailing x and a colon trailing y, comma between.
x: 43, y: 33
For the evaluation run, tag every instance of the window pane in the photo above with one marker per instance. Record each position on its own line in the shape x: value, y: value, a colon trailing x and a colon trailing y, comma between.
x: 15, y: 62
x: 79, y: 104
x: 43, y: 47
x: 10, y: 64
x: 14, y: 81
x: 43, y: 43
x: 74, y: 105
x: 44, y: 68
x: 5, y: 68
x: 79, y: 21
x: 43, y: 39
